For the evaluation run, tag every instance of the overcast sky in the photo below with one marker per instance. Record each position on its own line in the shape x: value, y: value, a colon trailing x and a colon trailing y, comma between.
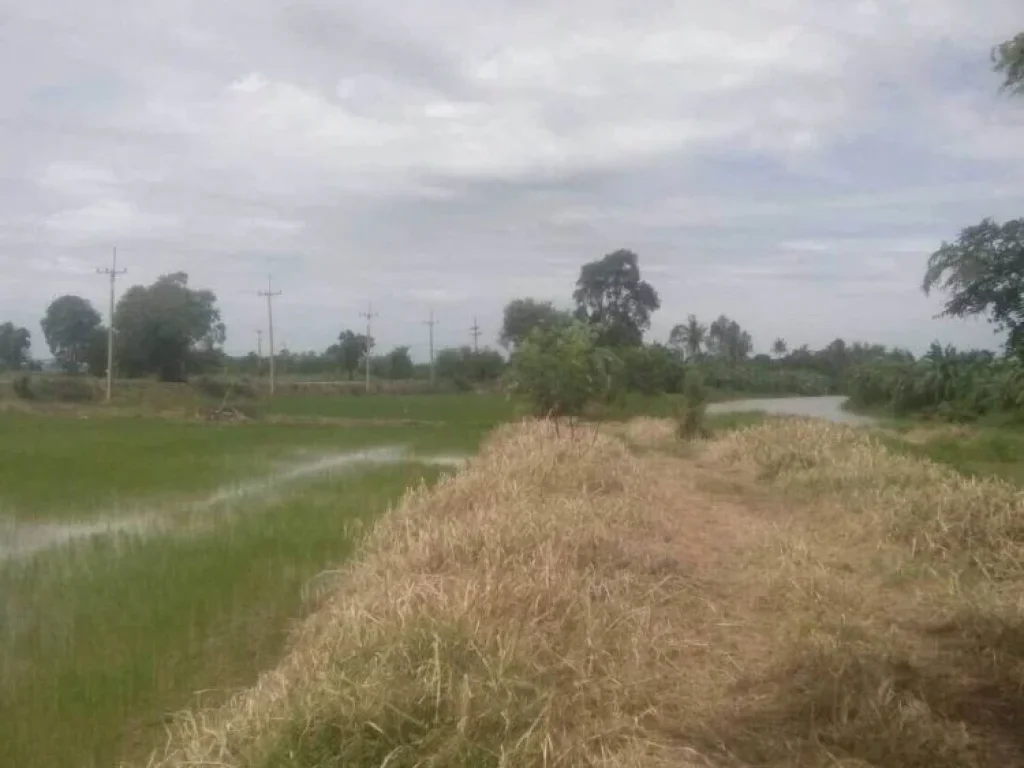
x: 790, y: 163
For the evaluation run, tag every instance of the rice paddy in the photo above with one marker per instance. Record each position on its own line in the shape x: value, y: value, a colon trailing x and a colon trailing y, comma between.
x: 143, y: 560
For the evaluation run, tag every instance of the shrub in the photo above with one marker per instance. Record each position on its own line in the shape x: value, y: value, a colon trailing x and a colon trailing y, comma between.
x: 219, y: 389
x: 23, y: 388
x: 62, y: 389
x: 690, y: 416
x: 562, y: 371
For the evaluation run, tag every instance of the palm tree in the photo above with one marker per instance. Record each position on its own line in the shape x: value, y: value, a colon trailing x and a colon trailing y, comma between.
x: 779, y: 347
x: 689, y: 338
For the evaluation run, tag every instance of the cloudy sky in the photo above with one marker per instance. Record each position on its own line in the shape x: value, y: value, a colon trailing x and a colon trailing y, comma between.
x: 790, y: 163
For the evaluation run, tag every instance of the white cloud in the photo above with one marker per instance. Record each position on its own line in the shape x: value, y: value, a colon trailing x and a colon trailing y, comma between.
x: 106, y: 219
x: 781, y: 161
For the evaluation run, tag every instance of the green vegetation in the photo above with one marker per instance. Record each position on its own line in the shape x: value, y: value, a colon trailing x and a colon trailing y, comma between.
x: 945, y: 384
x: 223, y: 528
x: 55, y: 467
x: 102, y: 640
x: 562, y: 371
x: 480, y: 410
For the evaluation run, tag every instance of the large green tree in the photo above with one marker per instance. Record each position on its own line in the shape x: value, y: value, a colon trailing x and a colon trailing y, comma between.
x: 69, y: 327
x: 689, y: 337
x: 523, y: 315
x: 611, y: 296
x: 1009, y: 62
x: 166, y: 329
x: 982, y: 272
x: 352, y: 348
x: 14, y: 345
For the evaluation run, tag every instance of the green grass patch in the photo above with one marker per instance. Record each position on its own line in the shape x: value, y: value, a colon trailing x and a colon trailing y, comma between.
x: 485, y: 409
x: 59, y: 467
x: 977, y: 452
x: 99, y: 641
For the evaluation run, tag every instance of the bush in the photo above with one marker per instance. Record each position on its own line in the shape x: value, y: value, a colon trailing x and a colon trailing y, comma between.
x: 690, y: 417
x: 62, y: 389
x: 23, y: 388
x: 219, y: 389
x: 562, y: 372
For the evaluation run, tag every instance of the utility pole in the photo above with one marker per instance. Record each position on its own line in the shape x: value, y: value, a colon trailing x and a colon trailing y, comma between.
x: 369, y: 314
x: 475, y: 332
x: 259, y: 351
x: 113, y: 272
x: 270, y: 293
x: 431, y: 323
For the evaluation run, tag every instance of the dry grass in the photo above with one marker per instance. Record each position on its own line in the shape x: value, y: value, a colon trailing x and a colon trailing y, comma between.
x: 568, y: 603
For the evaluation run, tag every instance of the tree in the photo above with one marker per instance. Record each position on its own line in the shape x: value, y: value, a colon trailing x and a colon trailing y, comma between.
x: 96, y: 352
x: 1009, y: 61
x: 779, y: 347
x: 728, y: 341
x: 399, y: 364
x: 523, y: 315
x: 983, y: 274
x: 562, y: 370
x: 464, y: 367
x: 653, y: 369
x: 611, y: 297
x: 14, y: 345
x: 689, y: 338
x: 352, y: 348
x: 167, y: 329
x: 68, y: 326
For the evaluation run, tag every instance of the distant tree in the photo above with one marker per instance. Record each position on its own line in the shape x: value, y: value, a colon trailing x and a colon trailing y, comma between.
x: 1009, y: 61
x: 399, y: 364
x: 728, y: 341
x: 465, y: 367
x: 983, y: 274
x: 779, y: 347
x: 562, y: 370
x: 14, y: 345
x: 652, y: 369
x: 611, y: 297
x: 689, y: 338
x: 96, y: 352
x: 68, y: 326
x: 352, y: 348
x: 523, y: 315
x: 167, y: 329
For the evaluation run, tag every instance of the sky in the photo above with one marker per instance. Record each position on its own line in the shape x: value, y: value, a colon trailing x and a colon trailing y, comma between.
x: 789, y: 163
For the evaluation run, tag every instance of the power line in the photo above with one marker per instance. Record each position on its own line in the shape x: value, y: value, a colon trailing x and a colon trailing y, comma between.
x: 431, y: 323
x: 475, y: 332
x: 270, y: 293
x: 113, y: 272
x: 369, y: 314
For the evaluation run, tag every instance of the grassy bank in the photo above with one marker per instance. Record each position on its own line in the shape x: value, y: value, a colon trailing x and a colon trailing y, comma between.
x: 793, y: 595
